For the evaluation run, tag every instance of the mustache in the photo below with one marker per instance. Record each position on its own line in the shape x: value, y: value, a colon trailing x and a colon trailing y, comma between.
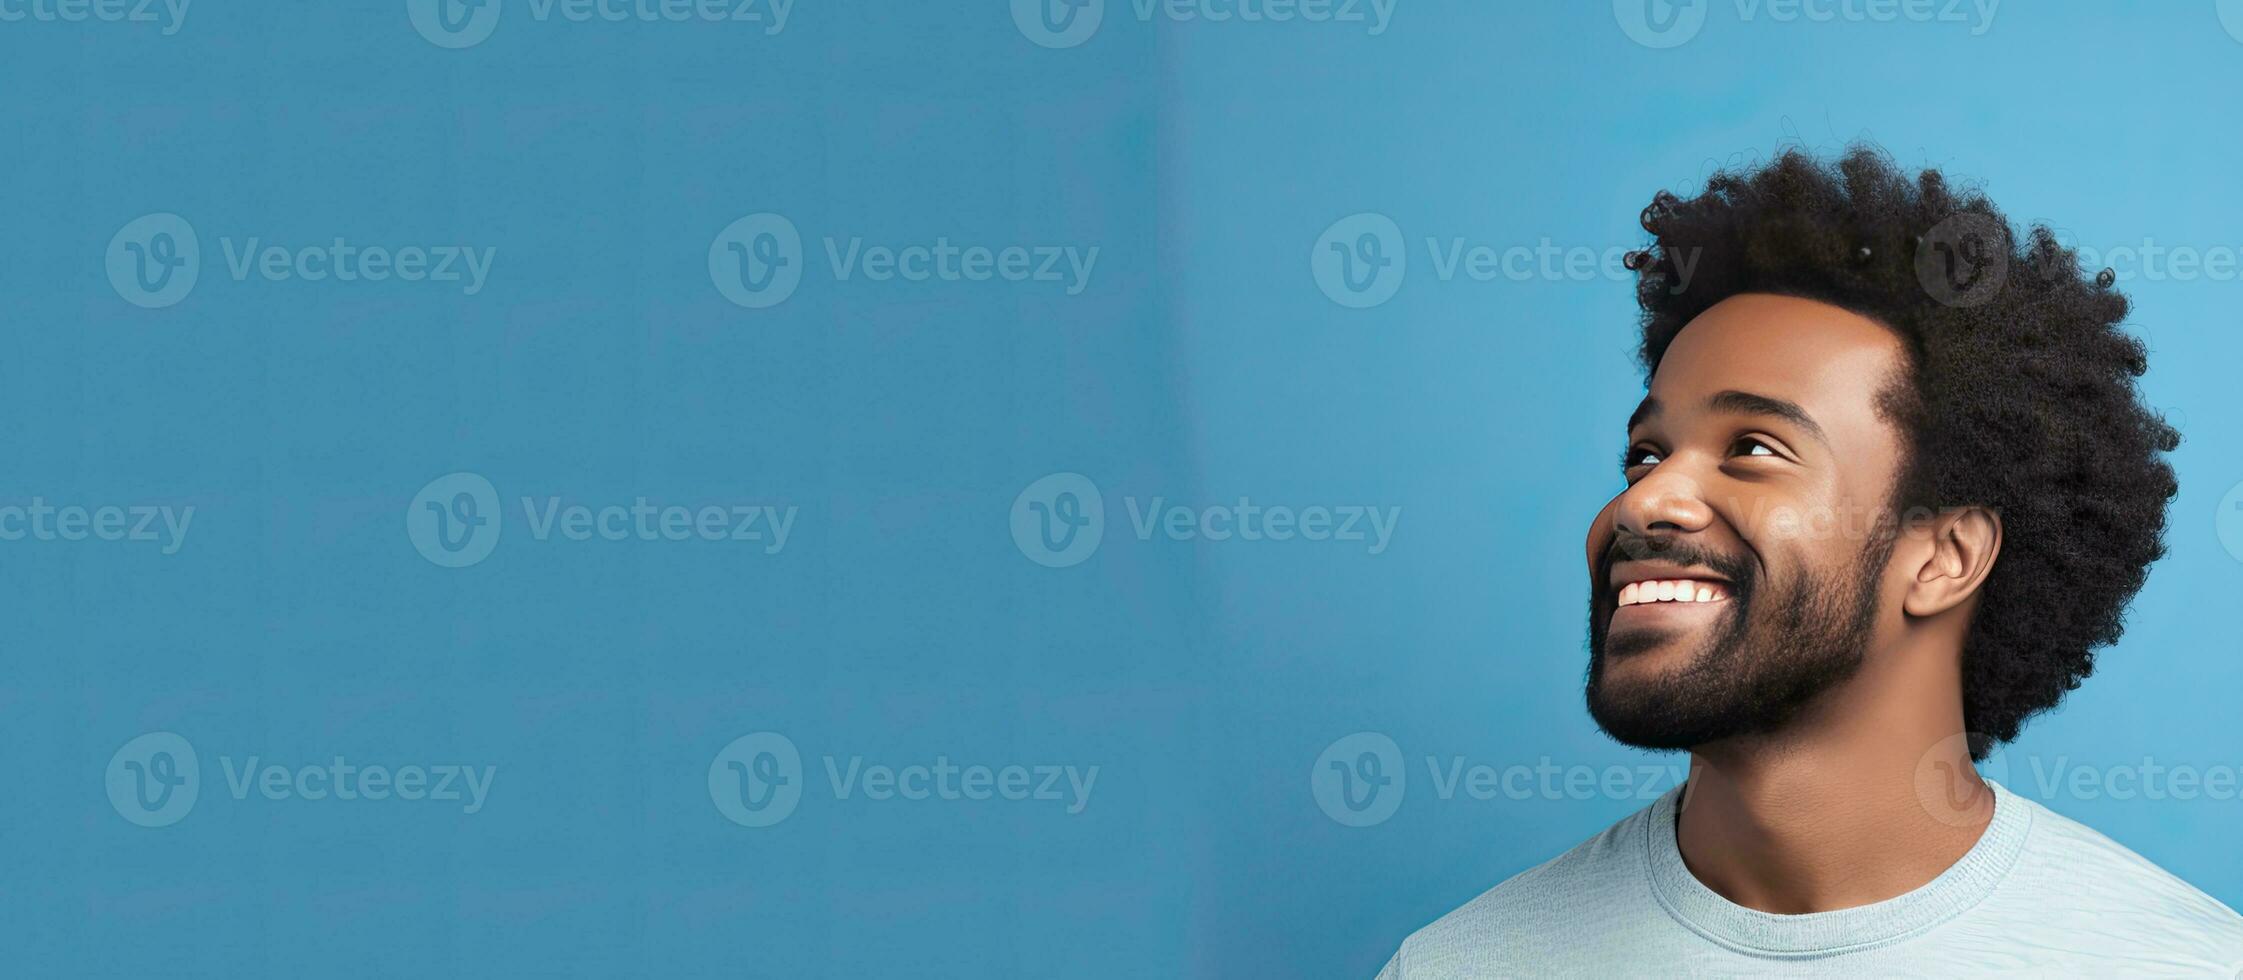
x: 1635, y: 547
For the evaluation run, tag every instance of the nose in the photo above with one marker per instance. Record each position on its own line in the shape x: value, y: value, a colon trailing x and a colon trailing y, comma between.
x: 1666, y: 501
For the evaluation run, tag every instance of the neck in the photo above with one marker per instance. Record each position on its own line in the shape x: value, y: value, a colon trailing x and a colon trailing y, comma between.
x: 1866, y: 797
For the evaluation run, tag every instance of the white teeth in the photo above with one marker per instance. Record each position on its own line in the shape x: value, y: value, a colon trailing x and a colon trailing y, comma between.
x: 1673, y: 590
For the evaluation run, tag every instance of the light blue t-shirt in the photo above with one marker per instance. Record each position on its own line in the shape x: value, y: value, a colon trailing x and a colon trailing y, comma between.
x: 2038, y: 893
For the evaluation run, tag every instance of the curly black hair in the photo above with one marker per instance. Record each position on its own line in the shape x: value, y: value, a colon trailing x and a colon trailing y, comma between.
x: 2019, y: 396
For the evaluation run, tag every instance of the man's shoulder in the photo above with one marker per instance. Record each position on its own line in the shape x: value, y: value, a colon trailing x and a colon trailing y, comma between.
x: 1550, y: 900
x: 2074, y: 876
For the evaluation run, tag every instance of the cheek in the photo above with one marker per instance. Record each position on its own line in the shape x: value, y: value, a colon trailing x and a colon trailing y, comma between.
x: 1807, y: 553
x: 1811, y: 526
x: 1784, y: 524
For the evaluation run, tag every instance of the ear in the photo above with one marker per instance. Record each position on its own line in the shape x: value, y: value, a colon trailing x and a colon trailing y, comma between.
x: 1957, y: 548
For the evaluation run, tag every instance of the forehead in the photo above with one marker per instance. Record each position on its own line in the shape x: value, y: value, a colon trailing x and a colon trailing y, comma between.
x: 1826, y: 359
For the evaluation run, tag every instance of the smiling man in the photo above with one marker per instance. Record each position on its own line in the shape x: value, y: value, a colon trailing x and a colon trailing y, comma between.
x: 1889, y: 491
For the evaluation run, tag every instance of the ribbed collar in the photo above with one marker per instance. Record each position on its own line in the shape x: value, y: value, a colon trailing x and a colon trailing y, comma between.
x: 1844, y: 930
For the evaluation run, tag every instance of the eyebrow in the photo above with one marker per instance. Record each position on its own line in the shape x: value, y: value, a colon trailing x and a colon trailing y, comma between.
x: 1646, y: 409
x: 1742, y: 403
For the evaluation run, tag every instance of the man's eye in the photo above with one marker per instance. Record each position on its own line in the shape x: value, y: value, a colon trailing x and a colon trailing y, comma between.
x: 1639, y: 456
x: 1749, y: 446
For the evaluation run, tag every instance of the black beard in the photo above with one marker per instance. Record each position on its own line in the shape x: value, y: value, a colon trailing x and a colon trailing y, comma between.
x: 1757, y: 673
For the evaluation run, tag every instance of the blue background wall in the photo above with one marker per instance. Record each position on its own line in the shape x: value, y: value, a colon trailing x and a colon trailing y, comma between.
x: 903, y: 622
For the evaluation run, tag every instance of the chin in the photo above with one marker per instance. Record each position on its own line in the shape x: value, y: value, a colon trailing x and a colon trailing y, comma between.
x: 1649, y: 689
x: 1650, y: 731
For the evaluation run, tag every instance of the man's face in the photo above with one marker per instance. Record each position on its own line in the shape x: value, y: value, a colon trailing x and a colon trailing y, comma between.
x: 1738, y: 576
